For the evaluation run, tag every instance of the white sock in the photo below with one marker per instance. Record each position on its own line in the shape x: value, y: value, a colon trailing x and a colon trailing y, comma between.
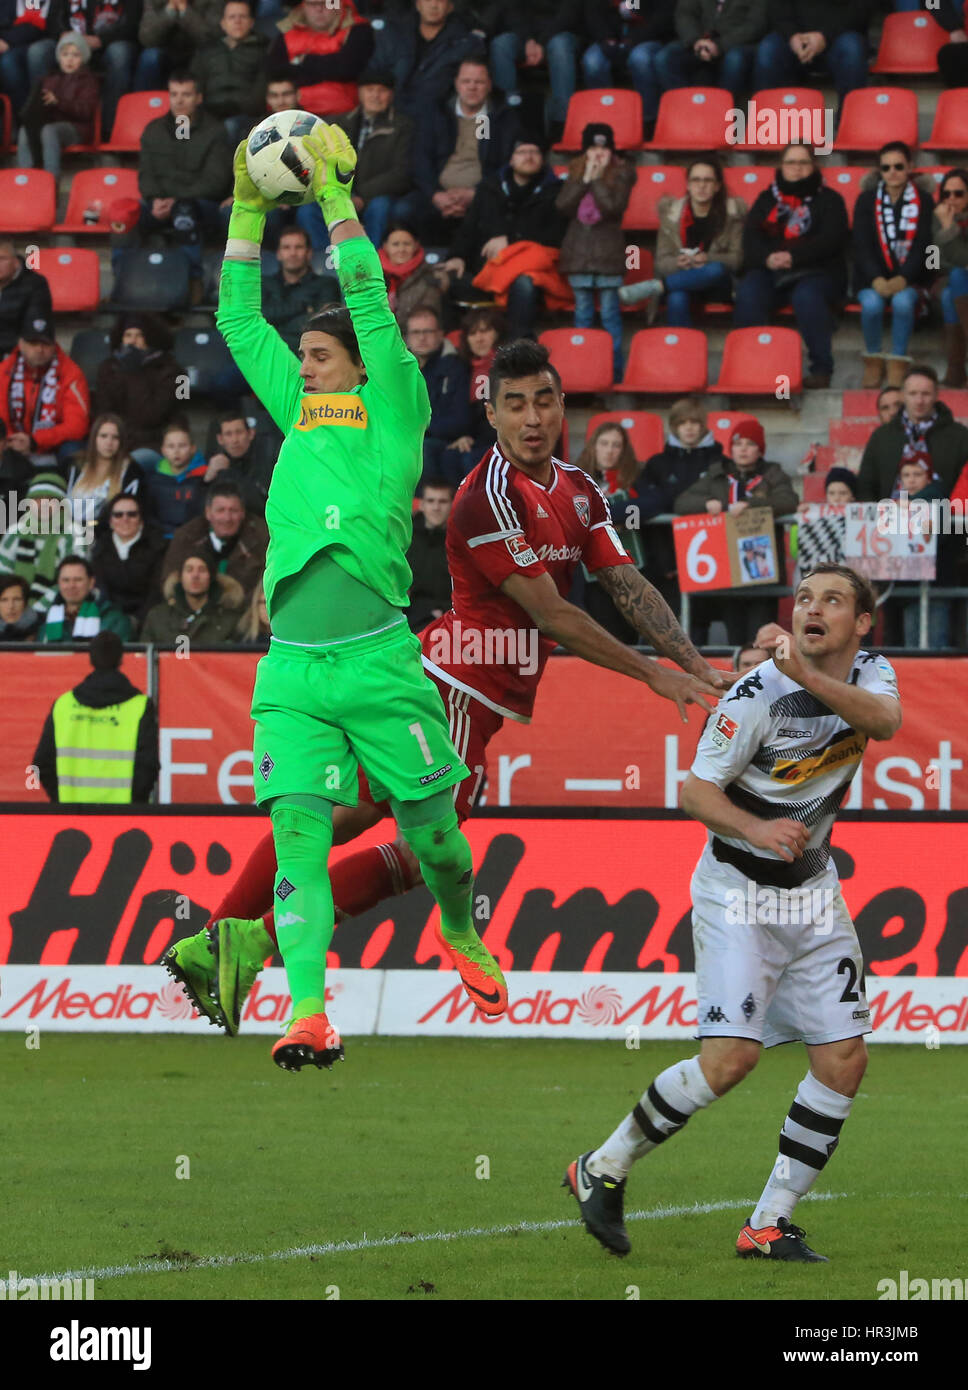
x: 810, y: 1133
x: 674, y: 1095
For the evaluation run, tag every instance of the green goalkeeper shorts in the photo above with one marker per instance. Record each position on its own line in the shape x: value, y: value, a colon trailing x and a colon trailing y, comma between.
x: 321, y: 711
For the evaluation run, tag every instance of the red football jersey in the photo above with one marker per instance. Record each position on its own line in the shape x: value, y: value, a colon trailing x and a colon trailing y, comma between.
x: 504, y: 523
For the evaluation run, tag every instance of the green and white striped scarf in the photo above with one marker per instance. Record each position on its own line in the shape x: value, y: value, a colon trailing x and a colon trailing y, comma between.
x: 87, y: 624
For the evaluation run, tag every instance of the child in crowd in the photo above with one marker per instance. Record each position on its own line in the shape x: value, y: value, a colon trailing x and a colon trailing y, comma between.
x: 60, y: 109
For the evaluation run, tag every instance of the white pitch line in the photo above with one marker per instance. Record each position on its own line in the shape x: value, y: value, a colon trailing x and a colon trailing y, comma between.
x: 349, y: 1247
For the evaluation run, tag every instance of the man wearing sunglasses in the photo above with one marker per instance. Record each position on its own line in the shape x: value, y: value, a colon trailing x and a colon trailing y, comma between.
x: 949, y: 232
x: 892, y: 231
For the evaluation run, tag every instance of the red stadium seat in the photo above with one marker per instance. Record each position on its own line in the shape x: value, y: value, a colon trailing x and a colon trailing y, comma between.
x: 135, y: 110
x: 754, y: 359
x: 783, y: 115
x: 666, y: 361
x: 620, y: 109
x: 95, y: 144
x: 723, y: 422
x: 950, y: 131
x: 747, y: 181
x: 28, y: 200
x: 652, y: 182
x: 74, y: 277
x: 90, y: 186
x: 815, y: 484
x: 583, y: 357
x: 859, y: 405
x: 846, y: 180
x: 851, y: 434
x: 646, y: 431
x: 645, y: 270
x: 692, y: 118
x: 909, y: 44
x: 872, y: 115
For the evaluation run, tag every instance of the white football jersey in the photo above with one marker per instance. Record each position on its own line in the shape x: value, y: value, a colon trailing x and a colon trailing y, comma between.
x: 776, y: 750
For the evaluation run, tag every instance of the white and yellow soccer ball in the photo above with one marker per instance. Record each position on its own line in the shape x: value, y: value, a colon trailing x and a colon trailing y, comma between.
x: 276, y: 159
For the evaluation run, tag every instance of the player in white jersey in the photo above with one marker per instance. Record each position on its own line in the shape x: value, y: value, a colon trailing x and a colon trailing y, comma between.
x: 777, y: 957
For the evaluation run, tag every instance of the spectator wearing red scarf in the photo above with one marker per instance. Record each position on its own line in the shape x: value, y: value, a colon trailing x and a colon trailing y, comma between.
x: 323, y: 46
x: 793, y: 252
x: 44, y: 400
x: 410, y: 280
x: 892, y: 231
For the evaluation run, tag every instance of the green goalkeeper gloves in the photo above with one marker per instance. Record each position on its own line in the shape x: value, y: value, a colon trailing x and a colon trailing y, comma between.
x: 249, y: 207
x: 333, y: 176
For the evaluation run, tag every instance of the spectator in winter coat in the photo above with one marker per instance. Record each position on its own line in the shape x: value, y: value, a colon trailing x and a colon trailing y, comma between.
x: 531, y: 34
x: 423, y: 49
x: 243, y: 457
x: 132, y: 779
x: 609, y: 460
x: 170, y: 33
x: 892, y: 231
x: 626, y: 43
x: 104, y: 471
x: 594, y: 196
x: 323, y: 46
x: 24, y: 296
x: 175, y: 488
x: 793, y: 251
x: 952, y: 57
x: 234, y: 543
x: 949, y: 232
x: 807, y: 34
x: 448, y: 384
x: 231, y: 70
x: 715, y: 46
x: 294, y: 292
x: 111, y: 30
x: 482, y: 331
x: 427, y: 554
x: 35, y: 542
x: 199, y: 604
x: 79, y: 612
x: 518, y: 204
x: 28, y: 33
x: 141, y: 381
x: 925, y: 428
x: 465, y: 139
x: 699, y: 247
x: 126, y: 558
x: 410, y: 280
x: 43, y: 398
x: 253, y: 629
x: 19, y: 622
x: 183, y: 181
x: 61, y: 108
x: 383, y: 138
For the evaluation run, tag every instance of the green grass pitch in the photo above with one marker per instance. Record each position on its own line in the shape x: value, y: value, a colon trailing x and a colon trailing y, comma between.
x: 390, y: 1145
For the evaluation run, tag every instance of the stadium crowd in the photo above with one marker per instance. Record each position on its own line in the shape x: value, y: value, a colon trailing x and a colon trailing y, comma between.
x: 144, y: 432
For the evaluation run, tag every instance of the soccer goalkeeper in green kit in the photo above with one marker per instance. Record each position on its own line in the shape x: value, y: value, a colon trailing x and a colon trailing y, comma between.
x: 343, y: 682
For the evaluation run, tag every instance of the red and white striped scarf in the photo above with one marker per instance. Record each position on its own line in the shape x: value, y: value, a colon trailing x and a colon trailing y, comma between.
x: 45, y: 407
x: 741, y: 487
x: 896, y: 235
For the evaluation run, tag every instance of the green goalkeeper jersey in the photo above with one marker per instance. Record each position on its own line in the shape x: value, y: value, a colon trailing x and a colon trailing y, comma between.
x: 350, y: 461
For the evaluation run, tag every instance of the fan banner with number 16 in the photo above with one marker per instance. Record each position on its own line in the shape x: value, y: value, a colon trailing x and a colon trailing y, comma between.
x: 885, y: 540
x: 724, y: 551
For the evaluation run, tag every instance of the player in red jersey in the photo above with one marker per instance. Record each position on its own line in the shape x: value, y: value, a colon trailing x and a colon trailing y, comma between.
x: 521, y: 522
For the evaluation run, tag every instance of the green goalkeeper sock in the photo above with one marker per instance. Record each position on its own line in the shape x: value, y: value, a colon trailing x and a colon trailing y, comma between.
x: 431, y: 830
x: 302, y: 831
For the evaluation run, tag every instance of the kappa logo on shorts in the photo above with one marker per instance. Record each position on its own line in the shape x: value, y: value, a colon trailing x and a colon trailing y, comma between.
x: 435, y: 776
x: 266, y: 766
x: 715, y: 1015
x: 284, y: 889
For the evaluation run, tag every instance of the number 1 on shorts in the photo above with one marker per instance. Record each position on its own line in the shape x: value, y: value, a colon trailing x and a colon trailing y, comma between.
x: 421, y: 738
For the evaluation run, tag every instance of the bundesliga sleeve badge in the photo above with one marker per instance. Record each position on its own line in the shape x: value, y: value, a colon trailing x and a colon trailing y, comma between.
x: 723, y: 731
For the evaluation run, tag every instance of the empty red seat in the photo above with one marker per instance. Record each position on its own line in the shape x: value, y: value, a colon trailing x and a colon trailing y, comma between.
x: 74, y: 277
x: 950, y: 129
x: 692, y: 118
x: 872, y: 115
x: 135, y: 110
x: 723, y: 422
x: 666, y: 361
x: 28, y: 200
x: 620, y: 109
x: 909, y: 44
x: 652, y: 182
x: 748, y: 181
x: 758, y: 361
x: 851, y: 434
x: 582, y: 356
x: 646, y: 431
x: 846, y: 180
x: 90, y: 187
x: 780, y: 116
x: 815, y: 484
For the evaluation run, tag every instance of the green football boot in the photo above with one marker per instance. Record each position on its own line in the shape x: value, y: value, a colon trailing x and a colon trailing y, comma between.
x: 241, y: 949
x: 192, y: 963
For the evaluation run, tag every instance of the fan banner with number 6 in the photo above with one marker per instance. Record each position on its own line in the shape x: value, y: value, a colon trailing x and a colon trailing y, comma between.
x: 726, y: 552
x: 887, y: 540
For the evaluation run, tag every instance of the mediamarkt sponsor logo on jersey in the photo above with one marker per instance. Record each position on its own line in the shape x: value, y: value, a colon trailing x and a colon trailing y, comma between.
x: 559, y: 552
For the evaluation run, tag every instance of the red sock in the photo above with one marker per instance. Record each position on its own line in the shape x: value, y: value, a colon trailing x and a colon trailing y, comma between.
x: 251, y: 892
x: 362, y: 880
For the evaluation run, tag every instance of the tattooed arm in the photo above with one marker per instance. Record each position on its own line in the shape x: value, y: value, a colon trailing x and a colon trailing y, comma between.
x: 644, y: 608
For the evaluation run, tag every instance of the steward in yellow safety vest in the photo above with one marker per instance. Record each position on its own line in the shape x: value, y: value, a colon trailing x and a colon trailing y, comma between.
x: 100, y: 740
